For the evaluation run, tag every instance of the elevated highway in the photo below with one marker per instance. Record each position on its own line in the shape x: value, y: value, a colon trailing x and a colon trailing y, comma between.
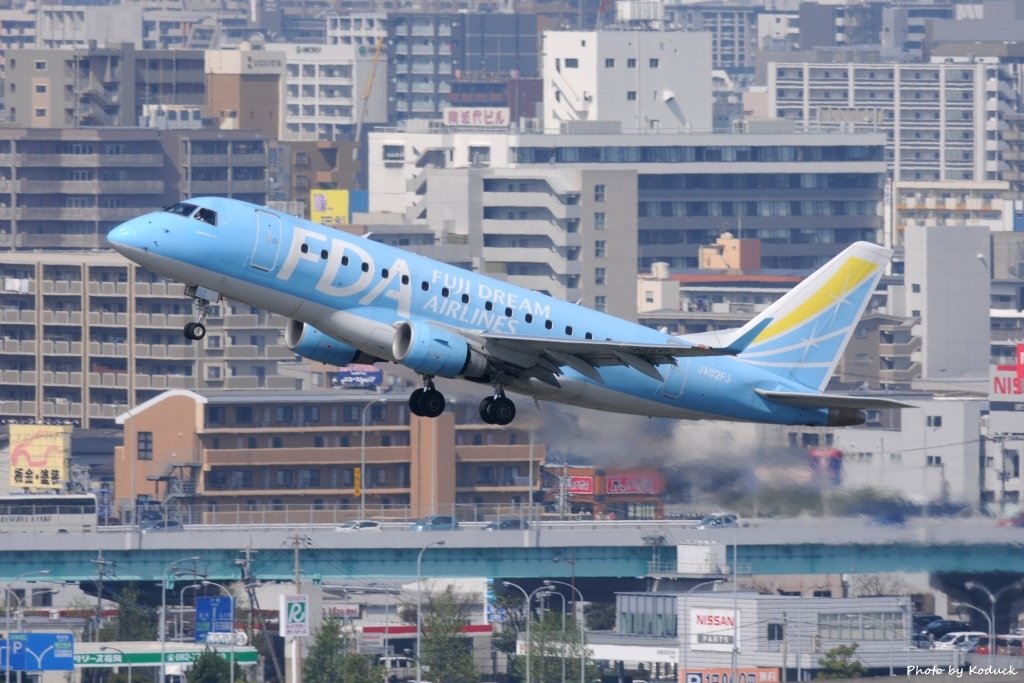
x: 604, y: 549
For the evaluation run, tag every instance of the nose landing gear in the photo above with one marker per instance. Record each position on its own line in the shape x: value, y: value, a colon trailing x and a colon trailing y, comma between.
x: 203, y: 296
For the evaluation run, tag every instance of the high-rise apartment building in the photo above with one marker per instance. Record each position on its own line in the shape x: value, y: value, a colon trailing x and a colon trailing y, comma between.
x: 942, y: 120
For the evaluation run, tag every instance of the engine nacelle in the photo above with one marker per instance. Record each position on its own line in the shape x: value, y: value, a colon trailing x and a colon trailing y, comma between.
x: 432, y: 350
x: 846, y: 417
x: 309, y: 342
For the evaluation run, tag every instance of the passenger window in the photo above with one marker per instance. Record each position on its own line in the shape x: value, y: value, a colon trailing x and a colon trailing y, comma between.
x: 548, y: 325
x: 444, y: 291
x: 323, y: 254
x: 488, y: 305
x: 304, y: 248
x: 425, y: 286
x: 465, y: 298
x: 405, y: 279
x: 588, y: 336
x: 568, y: 330
x: 365, y: 267
x: 344, y: 260
x: 528, y: 317
x: 508, y: 311
x: 384, y: 273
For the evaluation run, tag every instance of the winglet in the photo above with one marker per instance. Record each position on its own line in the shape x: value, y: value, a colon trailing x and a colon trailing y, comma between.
x: 741, y: 342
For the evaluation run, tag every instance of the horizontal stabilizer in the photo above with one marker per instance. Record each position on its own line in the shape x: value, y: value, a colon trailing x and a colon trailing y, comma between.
x: 737, y: 345
x: 798, y: 399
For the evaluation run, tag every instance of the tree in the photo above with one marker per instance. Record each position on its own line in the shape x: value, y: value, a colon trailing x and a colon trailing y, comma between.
x: 875, y: 585
x: 553, y: 650
x: 444, y: 649
x: 599, y: 616
x: 329, y: 659
x: 839, y: 662
x: 209, y: 667
x: 133, y: 621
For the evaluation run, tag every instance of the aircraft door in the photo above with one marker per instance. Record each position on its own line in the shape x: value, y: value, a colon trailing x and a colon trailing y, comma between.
x: 268, y: 241
x: 675, y: 379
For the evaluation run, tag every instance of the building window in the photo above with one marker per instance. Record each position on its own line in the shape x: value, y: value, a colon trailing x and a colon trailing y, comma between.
x: 601, y: 303
x: 243, y: 414
x: 599, y: 193
x: 572, y: 63
x: 40, y: 112
x: 599, y: 220
x: 631, y: 95
x: 609, y: 63
x: 480, y: 156
x: 599, y: 248
x: 40, y: 88
x: 144, y: 445
x: 915, y: 288
x: 40, y: 65
x: 934, y: 420
x: 776, y: 632
x: 394, y: 153
x: 599, y: 276
x: 653, y: 62
x: 934, y: 461
x: 630, y: 63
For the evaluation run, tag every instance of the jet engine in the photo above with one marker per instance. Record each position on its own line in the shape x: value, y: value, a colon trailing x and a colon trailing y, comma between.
x: 432, y: 350
x: 309, y: 342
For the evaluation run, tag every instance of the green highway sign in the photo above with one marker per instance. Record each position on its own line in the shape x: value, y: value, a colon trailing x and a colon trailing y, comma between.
x: 95, y: 659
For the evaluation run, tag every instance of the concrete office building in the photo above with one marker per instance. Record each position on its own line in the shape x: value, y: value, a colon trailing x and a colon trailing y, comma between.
x: 942, y: 120
x: 87, y: 334
x: 733, y: 30
x: 630, y: 78
x: 245, y: 89
x: 258, y: 456
x: 577, y: 215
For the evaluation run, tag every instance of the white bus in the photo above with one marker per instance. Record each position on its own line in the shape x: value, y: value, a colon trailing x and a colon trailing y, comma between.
x: 48, y: 513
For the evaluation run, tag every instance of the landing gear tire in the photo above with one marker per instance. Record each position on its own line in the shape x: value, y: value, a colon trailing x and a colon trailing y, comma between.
x: 431, y: 403
x: 501, y: 410
x: 485, y: 410
x: 414, y: 402
x: 195, y: 331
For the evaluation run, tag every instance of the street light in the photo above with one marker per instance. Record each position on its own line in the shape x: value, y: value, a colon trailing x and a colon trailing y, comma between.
x: 991, y: 627
x: 181, y: 608
x: 886, y: 627
x: 583, y: 631
x: 7, y: 616
x: 562, y: 639
x: 231, y: 675
x: 686, y: 620
x: 528, y: 597
x: 419, y: 604
x: 124, y: 657
x: 163, y: 613
x: 993, y: 599
x: 362, y: 456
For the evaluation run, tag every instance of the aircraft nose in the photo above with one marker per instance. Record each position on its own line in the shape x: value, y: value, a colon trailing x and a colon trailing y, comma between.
x: 128, y: 238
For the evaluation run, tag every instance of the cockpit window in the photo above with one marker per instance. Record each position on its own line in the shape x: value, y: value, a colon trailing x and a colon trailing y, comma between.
x: 207, y: 216
x: 181, y: 208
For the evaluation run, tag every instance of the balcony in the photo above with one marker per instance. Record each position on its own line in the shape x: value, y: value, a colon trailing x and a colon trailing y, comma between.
x: 88, y: 160
x: 62, y: 318
x: 108, y: 379
x: 900, y: 348
x: 14, y: 346
x: 62, y: 287
x: 303, y: 456
x: 163, y: 382
x: 68, y: 379
x: 108, y: 318
x: 114, y: 349
x: 108, y: 288
x: 18, y: 376
x: 97, y: 187
x: 27, y: 317
x: 18, y: 407
x: 59, y: 408
x: 62, y: 348
x: 899, y: 376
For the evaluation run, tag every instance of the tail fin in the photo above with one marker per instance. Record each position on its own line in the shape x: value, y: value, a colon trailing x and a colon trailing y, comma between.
x: 812, y: 323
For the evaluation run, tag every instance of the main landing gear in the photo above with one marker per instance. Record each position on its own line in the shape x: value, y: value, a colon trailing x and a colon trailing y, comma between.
x: 494, y: 410
x: 427, y: 402
x: 497, y: 409
x: 197, y: 330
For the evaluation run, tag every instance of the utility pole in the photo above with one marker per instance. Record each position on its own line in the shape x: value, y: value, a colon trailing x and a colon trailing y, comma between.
x: 249, y: 580
x: 297, y: 543
x: 101, y: 572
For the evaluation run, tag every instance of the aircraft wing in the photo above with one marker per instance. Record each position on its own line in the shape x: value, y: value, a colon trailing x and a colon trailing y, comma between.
x: 816, y: 400
x: 543, y: 357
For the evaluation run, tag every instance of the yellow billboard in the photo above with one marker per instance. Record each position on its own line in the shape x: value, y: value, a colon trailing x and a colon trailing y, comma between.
x: 329, y: 207
x: 39, y: 456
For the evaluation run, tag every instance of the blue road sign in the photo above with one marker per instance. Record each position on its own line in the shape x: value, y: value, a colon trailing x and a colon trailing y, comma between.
x: 214, y: 615
x: 39, y: 652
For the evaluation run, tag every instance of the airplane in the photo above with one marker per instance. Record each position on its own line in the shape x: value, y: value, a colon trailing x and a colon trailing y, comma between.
x: 349, y: 299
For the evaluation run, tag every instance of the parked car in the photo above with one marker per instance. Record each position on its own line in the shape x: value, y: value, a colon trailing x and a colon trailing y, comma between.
x: 958, y: 640
x: 508, y: 523
x: 719, y: 520
x: 922, y: 619
x: 941, y: 627
x: 435, y: 523
x: 359, y: 525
